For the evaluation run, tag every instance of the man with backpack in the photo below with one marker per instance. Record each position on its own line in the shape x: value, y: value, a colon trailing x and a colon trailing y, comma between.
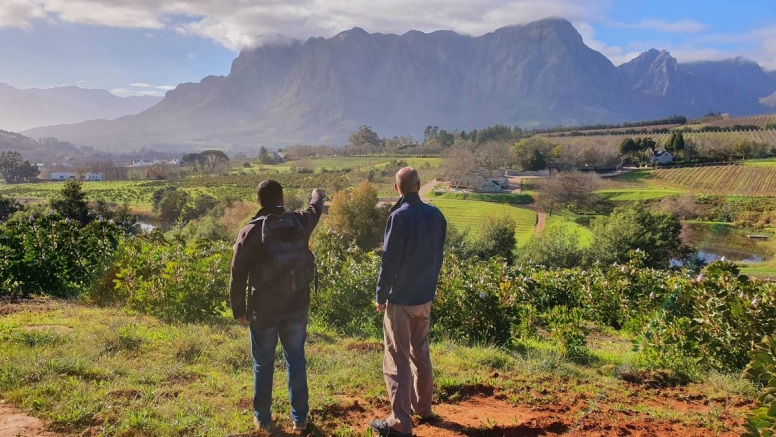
x: 272, y: 269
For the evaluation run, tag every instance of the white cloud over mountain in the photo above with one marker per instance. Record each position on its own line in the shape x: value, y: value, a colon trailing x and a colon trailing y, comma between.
x: 246, y: 23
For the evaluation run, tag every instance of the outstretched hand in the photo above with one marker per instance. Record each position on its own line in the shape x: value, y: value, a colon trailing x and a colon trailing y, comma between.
x: 319, y: 191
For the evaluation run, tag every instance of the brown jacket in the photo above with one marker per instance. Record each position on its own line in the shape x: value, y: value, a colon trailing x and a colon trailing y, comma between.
x: 246, y: 270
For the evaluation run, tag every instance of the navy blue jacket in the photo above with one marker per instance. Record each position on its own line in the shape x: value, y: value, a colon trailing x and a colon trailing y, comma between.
x: 412, y: 253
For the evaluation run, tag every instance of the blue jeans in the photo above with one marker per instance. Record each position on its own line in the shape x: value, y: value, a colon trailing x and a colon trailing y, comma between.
x: 292, y: 330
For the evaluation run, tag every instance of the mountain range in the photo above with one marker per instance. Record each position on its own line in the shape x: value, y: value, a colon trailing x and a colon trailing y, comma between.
x: 28, y: 108
x: 538, y: 74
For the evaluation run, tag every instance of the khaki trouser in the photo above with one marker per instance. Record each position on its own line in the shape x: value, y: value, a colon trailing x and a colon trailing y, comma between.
x: 407, y: 363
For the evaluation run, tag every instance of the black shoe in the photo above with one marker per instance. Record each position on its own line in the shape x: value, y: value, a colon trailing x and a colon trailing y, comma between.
x: 382, y: 429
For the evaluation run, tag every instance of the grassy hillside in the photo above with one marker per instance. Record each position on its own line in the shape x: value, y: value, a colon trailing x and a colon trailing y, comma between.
x: 731, y: 179
x: 469, y: 215
x: 101, y: 371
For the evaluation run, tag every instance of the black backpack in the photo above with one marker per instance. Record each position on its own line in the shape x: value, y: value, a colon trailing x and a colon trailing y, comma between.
x: 289, y: 265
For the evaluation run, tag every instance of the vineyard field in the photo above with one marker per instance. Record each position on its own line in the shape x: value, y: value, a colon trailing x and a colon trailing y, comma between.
x: 704, y: 140
x: 754, y: 120
x: 469, y: 215
x: 730, y: 179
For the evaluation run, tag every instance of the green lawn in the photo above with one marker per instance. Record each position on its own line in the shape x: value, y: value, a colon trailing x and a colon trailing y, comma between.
x: 767, y: 162
x: 566, y: 220
x: 470, y: 214
x: 511, y: 199
x: 767, y: 272
x: 638, y: 193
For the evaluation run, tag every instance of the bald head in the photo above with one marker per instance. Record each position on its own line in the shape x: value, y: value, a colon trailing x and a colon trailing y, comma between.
x: 407, y: 181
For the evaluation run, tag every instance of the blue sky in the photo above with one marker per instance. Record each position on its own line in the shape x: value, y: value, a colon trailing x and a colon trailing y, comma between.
x: 136, y: 47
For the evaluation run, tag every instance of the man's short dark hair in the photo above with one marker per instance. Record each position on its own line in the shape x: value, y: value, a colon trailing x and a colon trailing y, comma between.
x: 270, y: 193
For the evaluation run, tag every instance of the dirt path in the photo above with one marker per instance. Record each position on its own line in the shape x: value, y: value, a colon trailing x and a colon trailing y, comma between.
x: 578, y: 416
x: 425, y: 189
x: 541, y: 217
x: 14, y: 423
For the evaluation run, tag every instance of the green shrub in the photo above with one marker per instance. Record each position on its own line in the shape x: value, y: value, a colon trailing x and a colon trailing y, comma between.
x: 49, y: 255
x: 762, y: 370
x: 173, y: 280
x: 567, y: 328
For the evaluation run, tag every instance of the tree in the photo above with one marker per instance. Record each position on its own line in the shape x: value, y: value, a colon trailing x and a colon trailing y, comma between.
x: 14, y: 168
x: 445, y: 138
x: 213, y: 158
x: 556, y: 247
x: 565, y: 188
x: 459, y: 162
x: 497, y: 239
x: 8, y: 206
x: 530, y: 153
x: 192, y: 160
x: 364, y: 137
x: 357, y: 216
x: 636, y: 227
x: 264, y: 156
x: 495, y: 156
x: 172, y: 205
x: 71, y: 202
x: 628, y: 147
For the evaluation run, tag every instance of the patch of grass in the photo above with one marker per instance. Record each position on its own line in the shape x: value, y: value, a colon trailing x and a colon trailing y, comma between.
x: 470, y: 214
x: 510, y: 199
x: 635, y: 194
x: 569, y: 221
x: 161, y: 379
x: 767, y: 162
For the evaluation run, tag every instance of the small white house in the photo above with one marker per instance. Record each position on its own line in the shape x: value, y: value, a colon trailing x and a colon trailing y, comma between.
x: 662, y: 157
x: 62, y: 176
x: 489, y: 187
x: 68, y: 176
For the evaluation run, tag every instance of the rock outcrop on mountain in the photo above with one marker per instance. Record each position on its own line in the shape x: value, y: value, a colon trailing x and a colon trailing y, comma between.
x: 536, y: 74
x: 28, y: 108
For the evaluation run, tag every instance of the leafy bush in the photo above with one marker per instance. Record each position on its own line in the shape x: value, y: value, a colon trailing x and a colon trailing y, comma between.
x: 172, y: 280
x: 54, y: 256
x: 568, y: 330
x: 347, y: 279
x: 762, y: 370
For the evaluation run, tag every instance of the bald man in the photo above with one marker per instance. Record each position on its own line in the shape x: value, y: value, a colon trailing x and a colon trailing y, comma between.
x: 412, y: 257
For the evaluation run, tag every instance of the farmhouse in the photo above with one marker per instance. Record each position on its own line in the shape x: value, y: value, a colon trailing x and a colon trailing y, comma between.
x: 662, y: 157
x: 62, y: 176
x: 69, y: 176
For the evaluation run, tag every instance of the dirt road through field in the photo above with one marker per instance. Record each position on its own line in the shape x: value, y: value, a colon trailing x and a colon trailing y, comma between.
x: 541, y: 217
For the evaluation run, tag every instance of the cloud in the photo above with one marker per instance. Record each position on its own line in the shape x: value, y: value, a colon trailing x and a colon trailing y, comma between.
x: 190, y: 56
x: 140, y: 85
x: 122, y: 92
x: 19, y: 13
x: 149, y: 93
x: 615, y: 53
x: 757, y: 44
x: 81, y: 82
x: 246, y: 23
x: 165, y: 87
x: 683, y: 26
